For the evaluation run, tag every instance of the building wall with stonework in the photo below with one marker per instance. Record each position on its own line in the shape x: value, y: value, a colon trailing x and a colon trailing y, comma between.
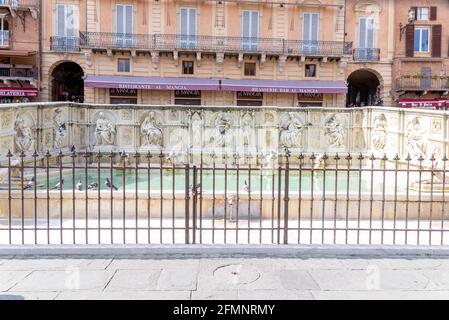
x: 219, y: 52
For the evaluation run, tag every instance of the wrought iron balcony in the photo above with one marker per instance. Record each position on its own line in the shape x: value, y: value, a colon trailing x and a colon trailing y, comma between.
x: 12, y: 73
x: 366, y: 54
x: 18, y: 4
x: 172, y: 42
x: 406, y: 83
x: 66, y: 44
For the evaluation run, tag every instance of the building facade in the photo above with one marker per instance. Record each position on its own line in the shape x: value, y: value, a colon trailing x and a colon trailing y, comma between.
x: 196, y: 52
x: 421, y: 61
x: 19, y: 50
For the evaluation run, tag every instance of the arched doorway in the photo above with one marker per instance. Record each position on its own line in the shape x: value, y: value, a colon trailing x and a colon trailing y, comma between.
x: 363, y: 89
x: 68, y: 83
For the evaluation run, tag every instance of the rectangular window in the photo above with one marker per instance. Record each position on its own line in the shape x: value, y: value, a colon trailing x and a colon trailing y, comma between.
x: 250, y: 30
x: 250, y: 69
x: 123, y: 65
x: 422, y: 14
x: 187, y: 67
x: 66, y: 26
x: 310, y: 32
x: 124, y: 25
x: 310, y: 71
x: 188, y: 27
x: 422, y: 36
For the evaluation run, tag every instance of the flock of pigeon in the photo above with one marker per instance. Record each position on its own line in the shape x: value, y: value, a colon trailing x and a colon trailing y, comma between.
x: 79, y: 186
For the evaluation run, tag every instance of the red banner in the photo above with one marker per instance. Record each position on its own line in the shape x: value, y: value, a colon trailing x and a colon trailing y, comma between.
x: 423, y: 103
x: 18, y: 92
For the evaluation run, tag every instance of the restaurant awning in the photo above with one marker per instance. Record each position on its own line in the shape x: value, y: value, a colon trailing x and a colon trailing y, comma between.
x: 168, y: 83
x: 282, y: 86
x: 423, y: 103
x: 150, y: 83
x: 18, y: 92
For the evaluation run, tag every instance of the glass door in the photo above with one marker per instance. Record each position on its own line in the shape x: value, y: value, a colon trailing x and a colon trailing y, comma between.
x: 124, y: 25
x: 188, y: 28
x: 310, y: 33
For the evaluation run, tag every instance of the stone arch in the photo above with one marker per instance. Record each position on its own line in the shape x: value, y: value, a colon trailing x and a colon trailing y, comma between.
x: 365, y: 87
x: 75, y: 72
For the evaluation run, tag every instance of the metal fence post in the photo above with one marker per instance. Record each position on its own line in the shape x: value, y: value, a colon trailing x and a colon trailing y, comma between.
x: 187, y: 202
x: 194, y: 200
x: 286, y: 195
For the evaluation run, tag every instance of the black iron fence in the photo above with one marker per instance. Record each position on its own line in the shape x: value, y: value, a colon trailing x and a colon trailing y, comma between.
x: 63, y: 43
x: 172, y: 42
x: 366, y: 54
x: 18, y: 72
x: 117, y: 198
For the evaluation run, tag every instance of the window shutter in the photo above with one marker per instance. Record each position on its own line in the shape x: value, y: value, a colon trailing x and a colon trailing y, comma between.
x: 246, y: 32
x: 70, y: 20
x: 315, y: 26
x: 306, y: 27
x: 410, y: 40
x: 183, y: 21
x: 192, y: 21
x: 129, y: 20
x: 436, y: 40
x: 119, y: 19
x: 433, y: 13
x: 255, y: 24
x: 60, y: 20
x: 370, y: 33
x: 362, y: 33
x: 415, y: 9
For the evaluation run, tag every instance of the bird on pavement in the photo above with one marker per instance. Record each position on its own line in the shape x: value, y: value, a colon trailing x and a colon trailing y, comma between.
x: 59, y: 185
x: 79, y: 185
x: 29, y: 185
x: 109, y: 185
x: 92, y: 186
x: 72, y: 149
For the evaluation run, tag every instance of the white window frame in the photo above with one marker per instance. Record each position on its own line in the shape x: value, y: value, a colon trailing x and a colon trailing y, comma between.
x: 423, y: 13
x: 251, y: 43
x: 420, y: 49
x: 188, y: 39
x: 309, y: 45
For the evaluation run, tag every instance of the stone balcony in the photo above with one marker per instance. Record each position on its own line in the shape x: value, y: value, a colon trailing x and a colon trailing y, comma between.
x: 213, y: 44
x: 422, y: 84
x: 25, y: 73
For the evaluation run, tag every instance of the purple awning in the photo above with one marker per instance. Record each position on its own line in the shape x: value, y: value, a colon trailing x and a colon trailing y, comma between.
x: 150, y: 83
x: 281, y: 86
x: 169, y: 83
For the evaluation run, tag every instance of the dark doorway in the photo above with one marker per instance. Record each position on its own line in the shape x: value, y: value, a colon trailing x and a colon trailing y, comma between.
x: 363, y: 89
x: 68, y: 83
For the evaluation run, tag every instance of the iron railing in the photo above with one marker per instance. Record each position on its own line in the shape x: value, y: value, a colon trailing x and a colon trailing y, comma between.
x: 172, y: 42
x: 18, y: 72
x: 422, y: 83
x: 19, y: 3
x: 366, y: 54
x: 66, y: 44
x: 91, y: 198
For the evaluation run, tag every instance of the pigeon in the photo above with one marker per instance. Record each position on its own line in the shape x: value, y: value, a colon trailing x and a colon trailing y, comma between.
x: 246, y: 186
x: 109, y: 185
x: 72, y: 149
x: 92, y: 186
x: 79, y: 185
x: 29, y: 185
x: 58, y: 185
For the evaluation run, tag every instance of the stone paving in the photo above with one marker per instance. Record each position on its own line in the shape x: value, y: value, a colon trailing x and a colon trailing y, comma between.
x: 222, y: 278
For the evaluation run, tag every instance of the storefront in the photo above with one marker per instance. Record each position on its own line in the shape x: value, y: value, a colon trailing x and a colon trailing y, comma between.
x: 188, y: 97
x: 123, y: 96
x: 310, y: 99
x: 17, y: 95
x: 248, y: 98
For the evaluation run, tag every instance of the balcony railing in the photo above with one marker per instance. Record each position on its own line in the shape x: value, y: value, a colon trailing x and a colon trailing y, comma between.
x: 61, y: 43
x: 366, y: 54
x: 4, y: 38
x: 172, y: 42
x: 422, y: 84
x: 10, y: 72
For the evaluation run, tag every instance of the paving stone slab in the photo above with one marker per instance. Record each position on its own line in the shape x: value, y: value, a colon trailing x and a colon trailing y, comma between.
x: 129, y: 264
x: 10, y: 278
x: 94, y: 280
x: 124, y: 295
x: 132, y: 280
x: 341, y: 279
x: 181, y: 278
x: 43, y: 263
x: 401, y: 280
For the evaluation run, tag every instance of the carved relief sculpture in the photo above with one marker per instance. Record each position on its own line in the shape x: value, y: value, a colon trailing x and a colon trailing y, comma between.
x: 24, y: 137
x: 380, y: 132
x: 59, y: 130
x: 151, y: 133
x: 291, y: 132
x: 247, y: 121
x: 335, y: 132
x: 416, y: 138
x: 105, y: 131
x: 221, y: 136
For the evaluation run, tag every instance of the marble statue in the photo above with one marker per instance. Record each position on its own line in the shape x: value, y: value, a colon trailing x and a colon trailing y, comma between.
x: 380, y: 132
x: 291, y: 132
x: 221, y: 136
x: 151, y: 134
x: 23, y: 136
x: 415, y: 138
x: 59, y: 130
x: 335, y: 132
x: 247, y: 121
x: 105, y: 131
